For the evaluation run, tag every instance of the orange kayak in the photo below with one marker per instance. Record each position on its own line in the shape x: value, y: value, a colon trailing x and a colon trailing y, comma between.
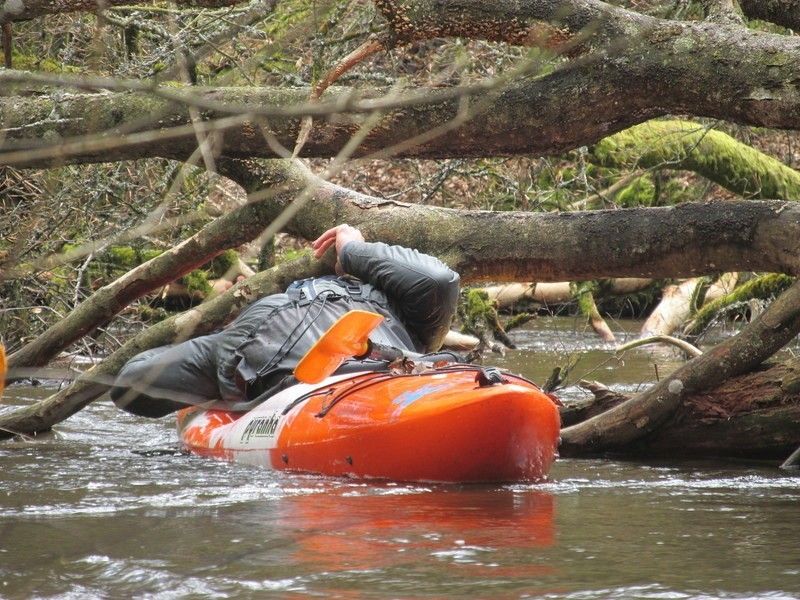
x: 448, y: 424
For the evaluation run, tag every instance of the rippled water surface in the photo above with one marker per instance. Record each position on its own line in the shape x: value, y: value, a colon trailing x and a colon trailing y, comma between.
x: 84, y: 513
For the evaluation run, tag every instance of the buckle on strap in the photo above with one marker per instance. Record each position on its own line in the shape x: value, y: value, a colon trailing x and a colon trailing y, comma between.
x: 354, y: 289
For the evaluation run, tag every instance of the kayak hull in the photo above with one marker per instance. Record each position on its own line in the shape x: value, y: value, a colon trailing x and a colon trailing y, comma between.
x: 439, y: 426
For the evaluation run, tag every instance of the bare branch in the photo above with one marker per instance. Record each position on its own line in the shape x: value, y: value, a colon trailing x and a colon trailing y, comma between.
x: 661, y: 339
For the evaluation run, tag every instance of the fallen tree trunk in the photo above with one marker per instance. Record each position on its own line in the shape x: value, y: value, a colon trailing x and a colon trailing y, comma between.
x: 755, y: 415
x: 621, y: 427
x: 763, y: 287
x: 495, y: 118
x: 524, y: 246
x: 551, y: 294
x: 673, y: 309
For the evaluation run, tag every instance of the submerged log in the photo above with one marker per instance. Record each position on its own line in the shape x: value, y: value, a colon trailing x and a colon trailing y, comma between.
x: 643, y: 417
x: 755, y: 415
x: 603, y: 399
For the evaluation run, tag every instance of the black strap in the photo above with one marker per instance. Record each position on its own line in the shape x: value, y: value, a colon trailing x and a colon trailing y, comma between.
x: 305, y: 291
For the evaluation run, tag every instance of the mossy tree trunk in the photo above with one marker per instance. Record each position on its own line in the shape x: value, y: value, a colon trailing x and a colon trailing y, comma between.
x: 754, y: 415
x: 763, y: 288
x: 684, y: 145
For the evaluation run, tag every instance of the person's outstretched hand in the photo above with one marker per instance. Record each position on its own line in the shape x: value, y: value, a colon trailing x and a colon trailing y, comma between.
x: 339, y: 235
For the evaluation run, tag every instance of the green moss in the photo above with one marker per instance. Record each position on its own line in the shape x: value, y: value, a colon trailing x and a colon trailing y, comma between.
x: 28, y: 62
x: 123, y: 256
x: 699, y: 294
x: 640, y: 192
x: 149, y: 254
x: 764, y: 287
x: 117, y: 260
x: 291, y: 254
x: 584, y: 292
x: 222, y: 263
x: 196, y: 281
x: 518, y: 320
x: 673, y: 144
x: 474, y: 308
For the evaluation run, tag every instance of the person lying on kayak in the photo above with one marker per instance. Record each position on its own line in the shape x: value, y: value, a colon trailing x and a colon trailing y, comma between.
x: 416, y: 293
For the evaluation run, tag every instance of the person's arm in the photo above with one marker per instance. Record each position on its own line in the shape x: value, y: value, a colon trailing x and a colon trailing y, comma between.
x: 424, y: 290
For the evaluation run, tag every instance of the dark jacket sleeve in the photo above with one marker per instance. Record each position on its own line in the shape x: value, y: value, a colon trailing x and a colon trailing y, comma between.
x: 423, y: 290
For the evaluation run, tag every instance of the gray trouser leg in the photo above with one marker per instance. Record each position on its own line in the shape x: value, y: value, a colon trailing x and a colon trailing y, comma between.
x: 163, y: 380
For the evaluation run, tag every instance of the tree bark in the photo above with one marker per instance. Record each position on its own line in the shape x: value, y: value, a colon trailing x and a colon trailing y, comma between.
x: 524, y: 246
x: 508, y: 294
x: 518, y: 246
x: 635, y: 68
x: 724, y: 11
x: 763, y: 287
x: 673, y: 309
x: 647, y: 413
x: 658, y: 67
x: 755, y: 415
x: 752, y: 416
x: 584, y: 295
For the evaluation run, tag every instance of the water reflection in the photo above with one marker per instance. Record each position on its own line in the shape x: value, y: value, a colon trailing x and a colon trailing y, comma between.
x: 472, y: 529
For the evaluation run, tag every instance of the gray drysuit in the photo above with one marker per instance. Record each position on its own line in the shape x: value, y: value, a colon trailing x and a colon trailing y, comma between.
x: 416, y: 294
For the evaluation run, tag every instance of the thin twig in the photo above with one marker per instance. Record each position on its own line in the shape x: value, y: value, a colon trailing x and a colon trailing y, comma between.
x: 662, y: 339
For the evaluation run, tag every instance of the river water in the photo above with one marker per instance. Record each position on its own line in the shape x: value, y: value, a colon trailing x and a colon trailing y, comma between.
x: 103, y: 509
